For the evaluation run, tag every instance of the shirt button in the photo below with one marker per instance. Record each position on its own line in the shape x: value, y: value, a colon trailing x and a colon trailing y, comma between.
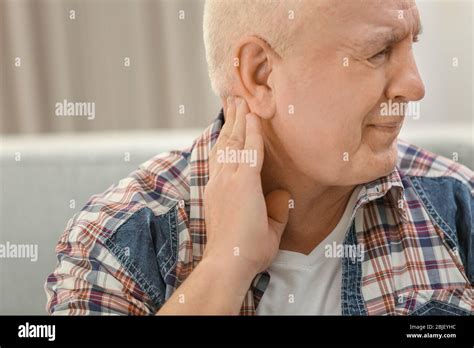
x: 181, y: 204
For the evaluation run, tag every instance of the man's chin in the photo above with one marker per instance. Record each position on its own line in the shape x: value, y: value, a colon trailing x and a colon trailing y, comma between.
x: 386, y: 160
x: 377, y: 164
x: 381, y: 139
x: 366, y: 166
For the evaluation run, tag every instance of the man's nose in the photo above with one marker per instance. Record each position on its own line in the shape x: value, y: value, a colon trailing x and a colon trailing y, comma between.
x: 405, y: 83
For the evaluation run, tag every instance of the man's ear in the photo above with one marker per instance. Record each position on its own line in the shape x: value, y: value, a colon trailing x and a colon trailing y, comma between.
x: 255, y: 73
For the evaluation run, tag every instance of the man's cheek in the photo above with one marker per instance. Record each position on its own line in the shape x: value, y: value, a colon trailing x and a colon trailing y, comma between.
x: 338, y: 153
x: 346, y: 142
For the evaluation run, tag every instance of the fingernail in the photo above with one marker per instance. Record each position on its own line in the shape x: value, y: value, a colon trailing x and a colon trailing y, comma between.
x: 238, y: 101
x: 230, y: 100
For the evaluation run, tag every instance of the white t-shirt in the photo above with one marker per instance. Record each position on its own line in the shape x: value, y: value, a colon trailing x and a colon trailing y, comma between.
x: 308, y: 284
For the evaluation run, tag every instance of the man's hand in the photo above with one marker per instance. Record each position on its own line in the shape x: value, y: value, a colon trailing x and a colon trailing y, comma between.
x: 243, y: 227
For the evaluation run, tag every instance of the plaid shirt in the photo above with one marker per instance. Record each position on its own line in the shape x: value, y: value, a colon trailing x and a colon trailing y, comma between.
x: 409, y: 259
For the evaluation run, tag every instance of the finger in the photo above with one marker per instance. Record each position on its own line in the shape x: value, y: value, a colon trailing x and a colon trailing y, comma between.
x: 224, y: 136
x: 237, y: 138
x: 226, y: 130
x: 254, y: 146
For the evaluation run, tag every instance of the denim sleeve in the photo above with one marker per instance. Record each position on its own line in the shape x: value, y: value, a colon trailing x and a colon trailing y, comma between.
x: 113, y: 272
x: 452, y: 202
x: 146, y: 247
x: 90, y: 280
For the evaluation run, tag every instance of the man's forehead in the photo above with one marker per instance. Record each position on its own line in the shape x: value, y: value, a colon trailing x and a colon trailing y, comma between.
x: 368, y: 9
x: 359, y: 18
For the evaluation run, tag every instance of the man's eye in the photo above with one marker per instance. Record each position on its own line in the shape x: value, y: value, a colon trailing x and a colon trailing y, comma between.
x: 381, y: 55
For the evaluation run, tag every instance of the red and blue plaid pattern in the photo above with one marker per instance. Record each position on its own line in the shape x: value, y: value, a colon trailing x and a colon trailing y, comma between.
x: 407, y: 258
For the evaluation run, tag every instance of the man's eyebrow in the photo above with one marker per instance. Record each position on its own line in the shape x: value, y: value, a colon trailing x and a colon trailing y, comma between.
x: 389, y: 37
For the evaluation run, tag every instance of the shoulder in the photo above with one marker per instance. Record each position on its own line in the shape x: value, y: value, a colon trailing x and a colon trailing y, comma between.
x: 445, y: 188
x: 156, y: 186
x: 430, y: 168
x: 119, y: 232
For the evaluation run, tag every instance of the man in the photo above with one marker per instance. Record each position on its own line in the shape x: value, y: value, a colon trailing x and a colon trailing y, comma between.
x: 303, y: 201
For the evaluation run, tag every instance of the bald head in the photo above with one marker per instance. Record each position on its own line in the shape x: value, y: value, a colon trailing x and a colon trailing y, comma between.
x: 227, y: 21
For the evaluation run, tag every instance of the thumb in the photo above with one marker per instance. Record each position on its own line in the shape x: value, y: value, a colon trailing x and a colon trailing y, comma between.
x: 277, y: 210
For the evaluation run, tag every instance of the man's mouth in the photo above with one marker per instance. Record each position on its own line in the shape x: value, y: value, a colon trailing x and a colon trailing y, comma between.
x: 387, y: 126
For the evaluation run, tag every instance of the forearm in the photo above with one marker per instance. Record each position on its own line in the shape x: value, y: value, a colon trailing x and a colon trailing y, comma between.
x: 213, y: 288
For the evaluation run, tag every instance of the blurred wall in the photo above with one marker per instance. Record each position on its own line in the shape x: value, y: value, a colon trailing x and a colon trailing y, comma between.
x: 82, y: 59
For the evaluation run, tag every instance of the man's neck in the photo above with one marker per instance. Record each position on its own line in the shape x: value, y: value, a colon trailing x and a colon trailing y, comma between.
x: 315, y: 209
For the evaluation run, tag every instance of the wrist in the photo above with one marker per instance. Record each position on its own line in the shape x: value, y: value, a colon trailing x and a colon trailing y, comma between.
x: 231, y: 271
